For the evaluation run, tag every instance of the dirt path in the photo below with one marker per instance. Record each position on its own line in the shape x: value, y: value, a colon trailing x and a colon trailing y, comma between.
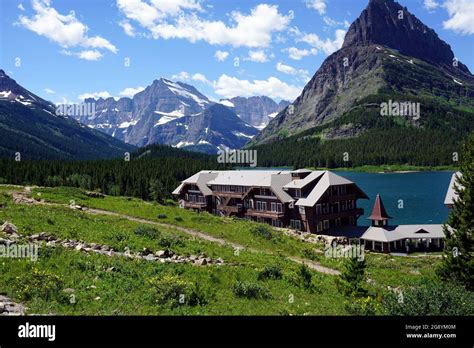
x: 22, y: 197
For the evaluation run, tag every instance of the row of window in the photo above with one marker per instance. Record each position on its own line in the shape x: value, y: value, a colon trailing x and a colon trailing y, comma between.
x: 263, y: 206
x: 195, y: 198
x: 326, y: 208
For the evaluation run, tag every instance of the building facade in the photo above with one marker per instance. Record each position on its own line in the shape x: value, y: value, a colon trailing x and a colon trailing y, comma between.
x: 312, y: 201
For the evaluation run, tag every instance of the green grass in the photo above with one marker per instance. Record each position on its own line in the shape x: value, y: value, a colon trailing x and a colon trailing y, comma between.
x: 126, y: 289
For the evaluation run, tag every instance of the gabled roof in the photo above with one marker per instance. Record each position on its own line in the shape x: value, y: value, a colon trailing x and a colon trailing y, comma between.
x: 258, y: 178
x: 277, y: 183
x: 199, y: 179
x: 327, y: 179
x: 389, y: 234
x: 300, y: 183
x: 378, y: 211
x: 451, y: 195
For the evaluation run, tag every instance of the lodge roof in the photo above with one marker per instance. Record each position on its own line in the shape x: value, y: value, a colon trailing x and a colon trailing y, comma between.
x: 390, y: 234
x: 276, y: 180
x: 378, y: 211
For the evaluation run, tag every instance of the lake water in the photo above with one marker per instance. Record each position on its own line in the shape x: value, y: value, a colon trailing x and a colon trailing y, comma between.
x: 422, y: 194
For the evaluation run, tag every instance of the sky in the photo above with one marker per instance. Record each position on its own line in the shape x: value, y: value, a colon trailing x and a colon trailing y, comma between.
x: 66, y: 50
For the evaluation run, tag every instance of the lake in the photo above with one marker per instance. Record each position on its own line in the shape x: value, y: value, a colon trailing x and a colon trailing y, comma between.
x: 422, y: 194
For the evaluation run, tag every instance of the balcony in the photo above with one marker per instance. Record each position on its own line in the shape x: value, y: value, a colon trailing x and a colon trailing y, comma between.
x: 195, y: 205
x: 265, y: 213
x: 229, y: 208
x: 331, y: 216
x: 348, y: 197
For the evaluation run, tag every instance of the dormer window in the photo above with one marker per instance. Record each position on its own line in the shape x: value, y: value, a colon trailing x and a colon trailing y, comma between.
x: 298, y: 193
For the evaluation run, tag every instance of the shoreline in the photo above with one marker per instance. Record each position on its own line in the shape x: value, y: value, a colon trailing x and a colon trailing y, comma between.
x: 391, y: 169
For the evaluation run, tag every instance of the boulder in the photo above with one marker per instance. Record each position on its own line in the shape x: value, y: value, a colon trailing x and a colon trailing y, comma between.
x: 9, y: 228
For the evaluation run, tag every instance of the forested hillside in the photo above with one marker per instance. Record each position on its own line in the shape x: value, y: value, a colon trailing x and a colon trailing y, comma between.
x: 364, y: 137
x: 152, y: 172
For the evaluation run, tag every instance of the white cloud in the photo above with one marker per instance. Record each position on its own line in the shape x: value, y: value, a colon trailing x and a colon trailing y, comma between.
x: 65, y: 30
x: 90, y: 55
x: 289, y: 70
x: 130, y: 91
x: 430, y: 4
x: 318, y: 5
x: 49, y: 91
x: 461, y: 13
x: 21, y: 7
x: 258, y: 56
x: 328, y: 46
x: 221, y: 55
x: 229, y: 87
x: 252, y: 30
x: 147, y: 14
x: 185, y: 76
x: 297, y: 54
x: 128, y: 28
x: 95, y: 95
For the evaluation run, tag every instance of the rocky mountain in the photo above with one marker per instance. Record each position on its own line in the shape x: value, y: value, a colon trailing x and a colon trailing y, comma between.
x: 131, y: 120
x: 215, y: 128
x: 174, y: 113
x: 386, y: 51
x: 36, y: 129
x: 256, y: 111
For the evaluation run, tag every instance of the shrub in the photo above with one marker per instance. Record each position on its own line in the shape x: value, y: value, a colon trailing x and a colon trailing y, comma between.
x: 351, y: 282
x: 305, y: 276
x: 250, y: 290
x: 38, y: 283
x: 262, y: 231
x: 169, y: 242
x: 432, y: 298
x: 162, y: 216
x: 270, y: 272
x: 171, y: 290
x: 147, y: 231
x: 363, y: 306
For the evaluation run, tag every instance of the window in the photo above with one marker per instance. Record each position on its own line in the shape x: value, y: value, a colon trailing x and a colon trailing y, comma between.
x: 297, y: 193
x: 319, y: 228
x: 351, y: 220
x: 318, y: 209
x: 343, y: 190
x: 264, y: 205
x: 259, y: 205
x: 273, y: 207
x: 344, y: 206
x: 302, y: 211
x: 295, y: 224
x: 326, y: 224
x: 186, y: 197
x: 338, y: 222
x: 276, y: 223
x: 279, y: 208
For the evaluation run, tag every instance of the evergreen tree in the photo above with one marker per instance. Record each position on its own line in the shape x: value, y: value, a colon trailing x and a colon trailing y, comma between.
x: 352, y: 279
x: 458, y: 264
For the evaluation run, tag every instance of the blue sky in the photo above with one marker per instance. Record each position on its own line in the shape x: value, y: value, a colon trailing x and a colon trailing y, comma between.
x: 64, y: 50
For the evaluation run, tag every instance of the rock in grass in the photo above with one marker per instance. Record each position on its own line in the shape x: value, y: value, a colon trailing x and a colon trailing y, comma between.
x: 9, y: 228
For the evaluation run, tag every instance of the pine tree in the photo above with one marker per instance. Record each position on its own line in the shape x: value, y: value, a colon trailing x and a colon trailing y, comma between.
x: 352, y: 279
x: 458, y: 264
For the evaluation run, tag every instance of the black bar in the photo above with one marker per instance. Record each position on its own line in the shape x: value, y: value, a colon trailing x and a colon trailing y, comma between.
x: 380, y: 331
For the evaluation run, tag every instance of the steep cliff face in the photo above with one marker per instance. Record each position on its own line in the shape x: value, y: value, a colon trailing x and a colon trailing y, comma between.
x: 256, y: 111
x: 385, y: 48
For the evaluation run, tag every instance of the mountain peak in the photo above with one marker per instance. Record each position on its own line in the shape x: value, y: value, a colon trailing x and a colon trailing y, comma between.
x: 387, y: 23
